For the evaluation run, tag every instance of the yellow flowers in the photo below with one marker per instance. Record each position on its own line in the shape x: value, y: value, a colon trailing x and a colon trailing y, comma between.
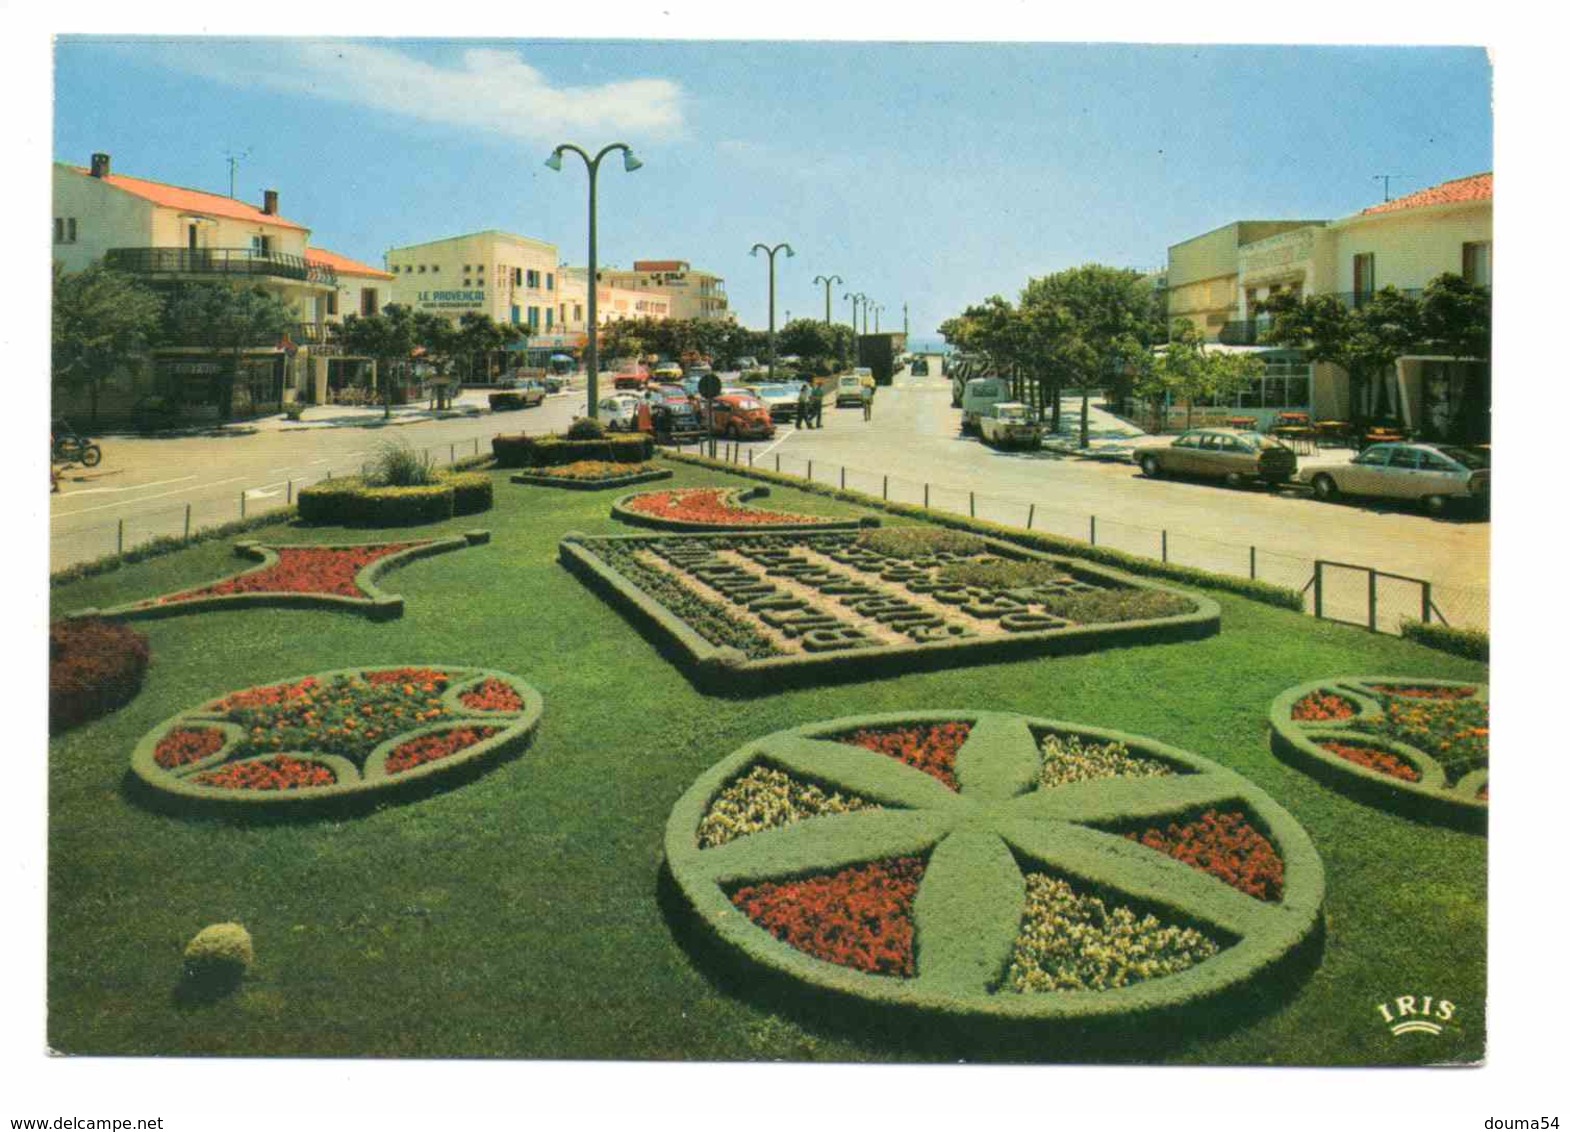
x: 765, y: 798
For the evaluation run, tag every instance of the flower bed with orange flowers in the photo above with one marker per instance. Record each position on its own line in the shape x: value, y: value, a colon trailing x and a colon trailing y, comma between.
x: 593, y: 475
x: 1225, y: 845
x: 1415, y: 745
x: 340, y: 733
x: 930, y: 748
x: 334, y: 577
x: 714, y: 508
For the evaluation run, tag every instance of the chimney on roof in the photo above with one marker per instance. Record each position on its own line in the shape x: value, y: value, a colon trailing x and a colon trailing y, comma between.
x: 270, y: 202
x: 100, y: 165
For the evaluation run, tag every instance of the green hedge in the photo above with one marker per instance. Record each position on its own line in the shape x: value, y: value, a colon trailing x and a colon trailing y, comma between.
x: 471, y: 492
x: 349, y: 501
x: 548, y: 451
x: 1470, y: 643
x: 167, y: 544
x: 1284, y: 597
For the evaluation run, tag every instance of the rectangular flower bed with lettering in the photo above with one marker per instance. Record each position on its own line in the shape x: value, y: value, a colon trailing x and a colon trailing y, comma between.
x: 747, y: 610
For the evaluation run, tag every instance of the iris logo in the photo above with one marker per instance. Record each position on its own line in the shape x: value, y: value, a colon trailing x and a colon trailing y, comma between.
x: 1406, y: 1016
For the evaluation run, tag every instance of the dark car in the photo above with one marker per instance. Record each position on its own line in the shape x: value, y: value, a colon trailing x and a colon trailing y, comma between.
x: 1234, y: 455
x: 918, y: 368
x: 674, y: 411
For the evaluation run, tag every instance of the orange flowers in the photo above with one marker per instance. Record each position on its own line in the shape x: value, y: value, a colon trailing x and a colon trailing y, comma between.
x: 930, y: 748
x: 303, y: 570
x: 187, y: 745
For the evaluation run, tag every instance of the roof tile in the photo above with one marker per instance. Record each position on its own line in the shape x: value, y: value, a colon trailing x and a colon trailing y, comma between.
x: 1459, y: 191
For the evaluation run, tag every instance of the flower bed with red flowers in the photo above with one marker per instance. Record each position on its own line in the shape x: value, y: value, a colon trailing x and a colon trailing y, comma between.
x: 303, y: 570
x: 1225, y: 845
x: 930, y: 748
x: 281, y: 772
x: 1417, y: 692
x: 430, y: 748
x: 94, y: 667
x: 859, y: 917
x: 187, y: 745
x: 1318, y: 706
x: 492, y: 695
x: 1373, y: 758
x: 711, y: 507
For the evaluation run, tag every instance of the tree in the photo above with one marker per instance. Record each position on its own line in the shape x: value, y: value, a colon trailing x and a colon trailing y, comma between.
x: 438, y: 337
x: 1457, y: 318
x: 388, y: 337
x: 478, y: 337
x: 816, y: 339
x: 227, y: 320
x: 101, y: 320
x: 1365, y: 340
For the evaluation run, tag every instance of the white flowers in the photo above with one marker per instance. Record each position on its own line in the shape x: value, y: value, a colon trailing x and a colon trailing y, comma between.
x: 1068, y: 758
x: 766, y: 798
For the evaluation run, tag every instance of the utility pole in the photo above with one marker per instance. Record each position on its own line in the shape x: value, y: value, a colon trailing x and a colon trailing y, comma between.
x: 234, y: 159
x: 906, y: 308
x: 1387, y: 178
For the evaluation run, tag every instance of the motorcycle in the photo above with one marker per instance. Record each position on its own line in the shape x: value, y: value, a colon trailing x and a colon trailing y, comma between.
x: 71, y: 447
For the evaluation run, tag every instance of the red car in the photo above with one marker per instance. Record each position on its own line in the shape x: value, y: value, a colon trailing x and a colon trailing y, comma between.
x: 741, y: 414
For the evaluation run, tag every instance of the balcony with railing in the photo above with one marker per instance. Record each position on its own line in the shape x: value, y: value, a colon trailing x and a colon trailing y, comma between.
x: 219, y: 261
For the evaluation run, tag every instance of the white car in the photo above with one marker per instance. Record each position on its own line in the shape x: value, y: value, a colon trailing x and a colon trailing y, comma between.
x: 619, y: 413
x: 1434, y: 475
x: 1010, y: 424
x: 851, y: 388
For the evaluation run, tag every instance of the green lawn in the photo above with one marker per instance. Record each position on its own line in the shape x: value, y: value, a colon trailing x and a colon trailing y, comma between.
x: 524, y: 914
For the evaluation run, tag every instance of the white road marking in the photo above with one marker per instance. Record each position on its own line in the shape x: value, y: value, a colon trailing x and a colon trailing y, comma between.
x: 133, y: 487
x: 788, y: 433
x: 145, y: 498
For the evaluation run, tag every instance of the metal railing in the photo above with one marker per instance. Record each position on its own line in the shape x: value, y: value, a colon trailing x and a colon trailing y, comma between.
x: 218, y: 261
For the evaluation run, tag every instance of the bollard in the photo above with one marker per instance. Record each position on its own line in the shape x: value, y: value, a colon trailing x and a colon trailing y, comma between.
x: 1373, y: 601
x: 749, y: 457
x: 242, y: 505
x: 1092, y: 530
x: 329, y: 473
x: 1163, y: 545
x: 452, y: 453
x: 288, y: 496
x: 476, y: 445
x: 776, y: 461
x: 842, y: 477
x: 926, y: 495
x: 973, y: 505
x: 187, y: 522
x: 1030, y: 518
x: 885, y: 488
x: 1251, y: 572
x: 119, y: 537
x: 809, y: 469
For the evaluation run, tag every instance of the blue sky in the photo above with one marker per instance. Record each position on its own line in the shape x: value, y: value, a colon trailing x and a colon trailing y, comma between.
x: 930, y: 174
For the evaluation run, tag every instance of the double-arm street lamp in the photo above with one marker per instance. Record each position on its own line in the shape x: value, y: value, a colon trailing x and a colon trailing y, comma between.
x: 877, y: 310
x: 856, y: 300
x: 828, y: 317
x: 789, y: 251
x: 629, y: 162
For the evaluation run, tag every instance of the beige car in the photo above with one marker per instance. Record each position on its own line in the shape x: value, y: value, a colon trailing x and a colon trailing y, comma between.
x: 1229, y: 454
x: 1433, y: 474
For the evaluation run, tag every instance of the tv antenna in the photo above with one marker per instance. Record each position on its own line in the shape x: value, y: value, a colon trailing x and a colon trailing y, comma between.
x: 234, y: 160
x: 1387, y: 178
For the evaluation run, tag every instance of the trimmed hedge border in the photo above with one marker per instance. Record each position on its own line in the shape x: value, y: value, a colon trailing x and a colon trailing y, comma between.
x: 977, y: 843
x: 1284, y: 597
x: 377, y: 604
x: 592, y: 485
x: 87, y: 680
x: 549, y: 450
x: 735, y: 497
x: 517, y: 729
x: 1470, y: 643
x: 727, y: 670
x: 1296, y: 742
x: 349, y: 501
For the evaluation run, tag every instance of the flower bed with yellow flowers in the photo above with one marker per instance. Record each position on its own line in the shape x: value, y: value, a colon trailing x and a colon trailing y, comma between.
x: 1419, y: 747
x: 336, y: 735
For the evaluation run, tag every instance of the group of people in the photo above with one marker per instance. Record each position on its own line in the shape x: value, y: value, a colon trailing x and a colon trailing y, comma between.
x: 809, y: 404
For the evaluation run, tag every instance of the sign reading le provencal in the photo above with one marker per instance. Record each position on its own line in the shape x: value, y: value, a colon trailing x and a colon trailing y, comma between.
x: 449, y: 300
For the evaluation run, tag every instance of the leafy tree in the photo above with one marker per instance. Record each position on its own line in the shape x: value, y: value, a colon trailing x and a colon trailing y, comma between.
x: 1365, y: 341
x: 439, y: 338
x: 1457, y: 317
x: 478, y: 337
x: 816, y: 339
x: 388, y: 337
x: 101, y: 320
x: 227, y: 320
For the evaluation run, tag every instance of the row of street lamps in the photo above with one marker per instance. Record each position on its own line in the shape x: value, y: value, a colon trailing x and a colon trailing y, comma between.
x: 860, y: 303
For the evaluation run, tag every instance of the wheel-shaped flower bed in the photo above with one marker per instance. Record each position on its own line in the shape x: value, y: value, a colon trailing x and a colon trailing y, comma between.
x: 592, y: 475
x: 321, y: 577
x: 995, y: 865
x: 1416, y: 746
x: 337, y: 736
x: 718, y: 508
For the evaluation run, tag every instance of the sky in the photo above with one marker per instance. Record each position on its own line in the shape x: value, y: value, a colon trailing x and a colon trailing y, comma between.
x: 923, y: 174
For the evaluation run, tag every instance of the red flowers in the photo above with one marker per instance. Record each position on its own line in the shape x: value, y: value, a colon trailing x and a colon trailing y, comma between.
x: 429, y: 748
x: 492, y: 695
x: 930, y: 748
x: 94, y: 667
x: 422, y: 678
x: 1372, y: 758
x: 1319, y: 706
x: 1424, y: 693
x: 1226, y: 846
x: 303, y: 570
x: 271, y: 696
x: 708, y: 505
x: 187, y: 745
x: 281, y: 772
x: 858, y: 917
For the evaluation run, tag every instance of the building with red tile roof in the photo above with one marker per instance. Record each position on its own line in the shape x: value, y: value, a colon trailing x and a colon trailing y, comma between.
x: 1463, y: 190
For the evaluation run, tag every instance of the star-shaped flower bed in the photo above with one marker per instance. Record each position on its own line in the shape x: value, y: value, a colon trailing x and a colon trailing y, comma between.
x: 992, y: 864
x: 332, y: 577
x: 1416, y: 746
x: 336, y: 735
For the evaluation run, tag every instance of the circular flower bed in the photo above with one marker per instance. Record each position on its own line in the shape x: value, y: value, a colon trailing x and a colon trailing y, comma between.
x: 1416, y: 746
x: 715, y: 508
x: 994, y: 865
x: 336, y: 734
x: 94, y: 667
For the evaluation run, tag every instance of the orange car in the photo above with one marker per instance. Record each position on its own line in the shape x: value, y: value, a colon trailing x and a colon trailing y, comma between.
x: 631, y: 380
x: 741, y: 414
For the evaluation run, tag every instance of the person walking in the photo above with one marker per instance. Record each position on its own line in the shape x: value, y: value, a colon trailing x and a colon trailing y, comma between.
x: 804, y: 406
x: 867, y: 393
x: 817, y: 405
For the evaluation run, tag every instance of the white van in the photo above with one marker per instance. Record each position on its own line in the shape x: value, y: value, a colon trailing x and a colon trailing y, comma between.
x: 979, y: 393
x: 851, y: 388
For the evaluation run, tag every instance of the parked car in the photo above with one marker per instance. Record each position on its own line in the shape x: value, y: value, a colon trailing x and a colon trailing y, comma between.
x: 919, y: 367
x: 739, y: 415
x: 979, y: 393
x: 667, y: 371
x: 1436, y: 475
x: 779, y: 397
x: 851, y: 388
x: 619, y: 412
x: 1230, y: 454
x: 631, y: 380
x: 1010, y: 424
x: 674, y: 411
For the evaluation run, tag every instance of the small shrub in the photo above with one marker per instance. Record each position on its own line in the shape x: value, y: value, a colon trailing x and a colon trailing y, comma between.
x: 396, y: 464
x: 94, y: 667
x: 217, y: 958
x: 294, y: 410
x: 1470, y: 643
x: 918, y: 542
x: 585, y: 428
x: 549, y: 451
x: 1103, y: 606
x: 1003, y: 574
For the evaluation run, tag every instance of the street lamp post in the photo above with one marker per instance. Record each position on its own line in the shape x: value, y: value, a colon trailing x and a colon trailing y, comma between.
x: 877, y: 311
x: 629, y: 162
x: 828, y: 317
x: 855, y: 304
x: 789, y: 251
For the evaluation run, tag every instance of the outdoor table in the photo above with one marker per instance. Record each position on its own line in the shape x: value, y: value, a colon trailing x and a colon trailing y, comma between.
x: 1290, y: 420
x: 1300, y: 438
x: 1242, y: 422
x: 1381, y: 435
x: 1331, y: 431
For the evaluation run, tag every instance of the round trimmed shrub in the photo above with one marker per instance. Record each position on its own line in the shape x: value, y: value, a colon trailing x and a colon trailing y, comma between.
x: 219, y: 949
x: 95, y: 666
x: 585, y: 428
x: 988, y: 865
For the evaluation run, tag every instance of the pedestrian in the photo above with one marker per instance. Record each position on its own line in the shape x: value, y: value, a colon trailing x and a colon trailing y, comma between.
x: 817, y: 405
x: 866, y: 401
x: 804, y: 406
x: 645, y: 416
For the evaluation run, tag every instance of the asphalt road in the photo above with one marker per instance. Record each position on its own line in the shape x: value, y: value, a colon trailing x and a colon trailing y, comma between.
x: 146, y: 484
